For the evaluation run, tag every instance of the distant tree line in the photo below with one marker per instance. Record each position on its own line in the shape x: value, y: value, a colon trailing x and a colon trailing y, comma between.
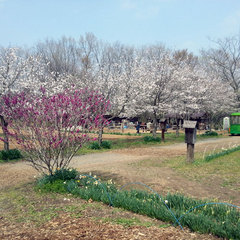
x: 152, y: 80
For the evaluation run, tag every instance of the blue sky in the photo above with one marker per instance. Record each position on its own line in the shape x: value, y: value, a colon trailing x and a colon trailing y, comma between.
x: 176, y: 23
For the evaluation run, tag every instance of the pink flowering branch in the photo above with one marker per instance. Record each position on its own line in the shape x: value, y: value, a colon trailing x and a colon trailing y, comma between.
x: 51, y: 129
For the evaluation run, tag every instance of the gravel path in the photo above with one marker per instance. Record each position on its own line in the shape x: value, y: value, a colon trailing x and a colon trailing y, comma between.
x: 106, y: 158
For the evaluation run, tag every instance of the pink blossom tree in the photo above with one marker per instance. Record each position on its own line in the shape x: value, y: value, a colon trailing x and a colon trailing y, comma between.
x: 51, y: 129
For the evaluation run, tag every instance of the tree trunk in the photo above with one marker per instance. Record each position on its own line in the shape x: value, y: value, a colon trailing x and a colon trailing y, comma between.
x: 190, y: 153
x: 100, y: 133
x: 154, y: 131
x: 4, y: 125
x: 177, y: 129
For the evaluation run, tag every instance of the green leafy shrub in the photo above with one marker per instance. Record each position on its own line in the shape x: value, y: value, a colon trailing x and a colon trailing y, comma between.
x: 106, y: 144
x: 10, y: 154
x: 65, y: 174
x: 95, y: 146
x: 58, y: 186
x: 62, y: 174
x: 151, y: 139
x: 210, y: 133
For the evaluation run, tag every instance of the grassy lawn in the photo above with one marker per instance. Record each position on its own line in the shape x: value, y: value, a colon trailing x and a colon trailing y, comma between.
x: 225, y: 168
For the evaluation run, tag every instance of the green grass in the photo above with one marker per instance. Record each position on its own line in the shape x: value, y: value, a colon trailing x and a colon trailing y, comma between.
x: 75, y: 211
x: 129, y: 222
x: 19, y: 206
x: 26, y: 205
x: 117, y: 144
x: 224, y: 169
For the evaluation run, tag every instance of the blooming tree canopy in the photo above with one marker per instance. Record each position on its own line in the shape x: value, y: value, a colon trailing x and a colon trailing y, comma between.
x: 51, y: 129
x: 155, y: 84
x: 152, y: 81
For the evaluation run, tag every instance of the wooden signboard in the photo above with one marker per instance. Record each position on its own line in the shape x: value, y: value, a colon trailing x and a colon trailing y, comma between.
x: 190, y: 135
x: 189, y: 124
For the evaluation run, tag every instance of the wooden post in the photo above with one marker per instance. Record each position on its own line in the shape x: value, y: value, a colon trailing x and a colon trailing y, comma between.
x: 190, y: 153
x: 190, y: 139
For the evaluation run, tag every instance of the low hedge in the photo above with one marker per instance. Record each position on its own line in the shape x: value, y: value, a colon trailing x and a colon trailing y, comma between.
x: 151, y: 139
x: 11, y: 154
x: 104, y: 144
x: 210, y: 133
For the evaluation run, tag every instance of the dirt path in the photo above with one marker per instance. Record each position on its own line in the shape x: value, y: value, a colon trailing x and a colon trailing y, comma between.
x: 121, y: 165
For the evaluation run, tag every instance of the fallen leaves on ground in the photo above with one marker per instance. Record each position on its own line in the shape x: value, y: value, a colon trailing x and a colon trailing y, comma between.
x: 67, y: 228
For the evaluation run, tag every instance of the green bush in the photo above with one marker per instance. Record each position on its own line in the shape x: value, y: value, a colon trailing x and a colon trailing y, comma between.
x: 151, y: 139
x: 10, y: 154
x: 58, y: 186
x: 210, y: 133
x: 106, y: 144
x: 95, y: 146
x: 62, y: 174
x: 65, y: 174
